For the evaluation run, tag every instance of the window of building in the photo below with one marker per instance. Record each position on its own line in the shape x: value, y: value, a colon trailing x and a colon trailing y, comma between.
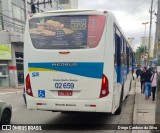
x: 4, y: 75
x: 18, y: 13
x: 20, y: 70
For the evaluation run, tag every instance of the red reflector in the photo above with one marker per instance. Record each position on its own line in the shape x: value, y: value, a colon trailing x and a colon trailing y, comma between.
x: 64, y: 52
x: 41, y: 103
x: 92, y: 105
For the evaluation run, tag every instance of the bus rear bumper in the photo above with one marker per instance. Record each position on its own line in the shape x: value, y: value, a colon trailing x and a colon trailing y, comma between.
x: 98, y: 105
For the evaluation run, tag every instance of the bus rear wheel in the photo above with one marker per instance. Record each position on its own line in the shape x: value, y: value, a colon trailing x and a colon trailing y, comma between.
x: 119, y: 110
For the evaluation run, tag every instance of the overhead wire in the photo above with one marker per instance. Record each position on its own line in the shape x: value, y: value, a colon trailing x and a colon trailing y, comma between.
x: 132, y: 10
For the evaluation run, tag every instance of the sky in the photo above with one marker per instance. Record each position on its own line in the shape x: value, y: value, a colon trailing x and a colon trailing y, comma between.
x: 130, y: 14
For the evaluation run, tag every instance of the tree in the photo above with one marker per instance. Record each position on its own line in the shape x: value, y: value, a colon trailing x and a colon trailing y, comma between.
x: 140, y: 50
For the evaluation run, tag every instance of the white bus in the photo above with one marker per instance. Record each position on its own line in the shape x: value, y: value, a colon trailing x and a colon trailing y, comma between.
x: 76, y: 60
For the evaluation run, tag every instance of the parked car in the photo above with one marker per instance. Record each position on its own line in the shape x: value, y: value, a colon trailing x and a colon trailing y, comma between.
x: 24, y: 96
x: 5, y: 113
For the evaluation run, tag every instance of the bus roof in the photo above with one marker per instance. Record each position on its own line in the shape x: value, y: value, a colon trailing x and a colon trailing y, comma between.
x: 74, y: 10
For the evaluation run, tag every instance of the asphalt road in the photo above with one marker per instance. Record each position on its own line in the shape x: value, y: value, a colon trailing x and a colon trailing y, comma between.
x: 21, y: 115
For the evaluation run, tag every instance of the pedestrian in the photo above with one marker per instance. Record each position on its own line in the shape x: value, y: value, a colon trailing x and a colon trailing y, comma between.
x: 147, y: 84
x: 142, y: 79
x: 138, y: 72
x: 154, y: 85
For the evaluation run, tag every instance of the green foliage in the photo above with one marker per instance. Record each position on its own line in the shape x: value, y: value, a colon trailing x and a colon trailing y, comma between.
x: 140, y: 50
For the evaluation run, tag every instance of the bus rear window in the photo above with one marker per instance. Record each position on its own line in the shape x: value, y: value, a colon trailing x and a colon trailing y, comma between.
x: 66, y: 32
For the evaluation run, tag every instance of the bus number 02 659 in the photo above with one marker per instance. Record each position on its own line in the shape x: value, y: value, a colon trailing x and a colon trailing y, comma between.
x: 64, y: 85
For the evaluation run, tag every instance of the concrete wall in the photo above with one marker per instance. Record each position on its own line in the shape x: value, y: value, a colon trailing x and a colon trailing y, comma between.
x: 4, y: 37
x: 13, y: 72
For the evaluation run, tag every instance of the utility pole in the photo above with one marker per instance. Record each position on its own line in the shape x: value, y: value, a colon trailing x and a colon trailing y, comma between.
x: 145, y: 23
x: 150, y: 30
x: 145, y: 45
x: 157, y: 111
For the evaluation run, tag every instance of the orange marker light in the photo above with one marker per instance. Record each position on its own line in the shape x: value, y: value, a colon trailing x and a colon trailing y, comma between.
x: 104, y: 80
x: 64, y: 52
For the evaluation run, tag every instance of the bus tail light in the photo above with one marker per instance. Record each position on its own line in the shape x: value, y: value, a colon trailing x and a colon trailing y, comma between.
x: 104, y: 87
x: 28, y: 86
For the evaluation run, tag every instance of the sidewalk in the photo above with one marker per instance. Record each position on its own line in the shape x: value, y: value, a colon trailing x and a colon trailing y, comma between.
x: 144, y: 110
x: 10, y: 90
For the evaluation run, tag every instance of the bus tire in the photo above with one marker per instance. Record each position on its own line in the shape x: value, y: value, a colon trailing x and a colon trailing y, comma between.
x: 119, y: 109
x: 130, y: 85
x: 6, y: 117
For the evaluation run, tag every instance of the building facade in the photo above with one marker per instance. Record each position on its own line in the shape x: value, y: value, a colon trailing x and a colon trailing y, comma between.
x: 13, y: 14
x: 12, y: 21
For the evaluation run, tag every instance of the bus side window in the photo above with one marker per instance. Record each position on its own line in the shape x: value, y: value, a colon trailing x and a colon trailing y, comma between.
x: 130, y: 59
x: 127, y: 51
x: 118, y: 44
x: 122, y: 51
x: 124, y: 54
x: 114, y: 47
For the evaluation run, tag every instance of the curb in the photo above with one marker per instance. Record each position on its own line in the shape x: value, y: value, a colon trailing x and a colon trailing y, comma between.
x: 135, y: 109
x: 5, y: 93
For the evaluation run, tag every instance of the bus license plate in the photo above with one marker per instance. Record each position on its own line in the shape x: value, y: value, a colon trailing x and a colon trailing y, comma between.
x: 64, y: 93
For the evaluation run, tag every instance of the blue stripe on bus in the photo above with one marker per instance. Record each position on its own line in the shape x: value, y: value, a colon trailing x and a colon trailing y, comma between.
x: 118, y: 74
x: 121, y: 74
x: 92, y: 69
